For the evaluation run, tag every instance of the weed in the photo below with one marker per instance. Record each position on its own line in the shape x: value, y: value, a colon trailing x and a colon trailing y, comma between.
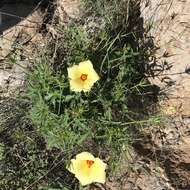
x: 1, y: 151
x: 99, y: 120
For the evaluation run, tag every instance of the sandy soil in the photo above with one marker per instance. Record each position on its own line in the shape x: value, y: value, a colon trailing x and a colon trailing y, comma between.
x: 171, y: 34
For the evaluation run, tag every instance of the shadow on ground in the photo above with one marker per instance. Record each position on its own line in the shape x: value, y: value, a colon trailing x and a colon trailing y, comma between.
x: 14, y: 11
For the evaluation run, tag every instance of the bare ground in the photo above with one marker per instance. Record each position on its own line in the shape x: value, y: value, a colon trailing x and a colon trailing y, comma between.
x: 171, y: 33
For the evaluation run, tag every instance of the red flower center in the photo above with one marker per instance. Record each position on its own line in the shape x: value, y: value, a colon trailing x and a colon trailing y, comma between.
x: 89, y: 163
x: 83, y: 77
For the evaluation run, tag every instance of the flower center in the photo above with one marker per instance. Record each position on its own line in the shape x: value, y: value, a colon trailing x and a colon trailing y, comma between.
x: 89, y: 163
x: 83, y: 77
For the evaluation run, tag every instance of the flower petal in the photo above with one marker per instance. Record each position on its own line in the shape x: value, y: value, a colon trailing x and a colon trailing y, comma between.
x: 93, y: 76
x: 85, y: 174
x: 85, y: 67
x: 76, y: 85
x: 72, y: 166
x: 87, y: 86
x: 73, y: 72
x: 82, y: 171
x: 85, y: 156
x: 98, y: 171
x: 84, y: 180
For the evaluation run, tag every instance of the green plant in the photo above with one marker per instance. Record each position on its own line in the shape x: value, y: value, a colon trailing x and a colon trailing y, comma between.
x: 40, y: 136
x: 1, y: 151
x: 99, y: 121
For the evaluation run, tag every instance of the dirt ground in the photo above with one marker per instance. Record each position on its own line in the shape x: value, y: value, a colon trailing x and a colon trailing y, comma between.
x: 171, y: 34
x: 169, y: 146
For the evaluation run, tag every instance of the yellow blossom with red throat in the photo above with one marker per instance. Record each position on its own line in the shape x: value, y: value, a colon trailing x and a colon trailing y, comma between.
x: 88, y: 169
x: 82, y: 77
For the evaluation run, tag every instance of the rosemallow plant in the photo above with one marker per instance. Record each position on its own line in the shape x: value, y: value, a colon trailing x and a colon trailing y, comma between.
x: 82, y: 77
x: 88, y: 169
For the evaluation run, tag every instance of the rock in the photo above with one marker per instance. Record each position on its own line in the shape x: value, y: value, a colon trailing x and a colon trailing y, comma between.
x: 68, y: 9
x: 177, y: 165
x: 25, y: 30
x: 173, y: 158
x: 12, y: 80
x: 4, y: 78
x: 18, y: 34
x: 171, y: 34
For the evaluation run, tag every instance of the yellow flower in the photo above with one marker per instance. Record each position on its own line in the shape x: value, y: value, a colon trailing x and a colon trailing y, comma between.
x: 82, y: 76
x: 88, y: 169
